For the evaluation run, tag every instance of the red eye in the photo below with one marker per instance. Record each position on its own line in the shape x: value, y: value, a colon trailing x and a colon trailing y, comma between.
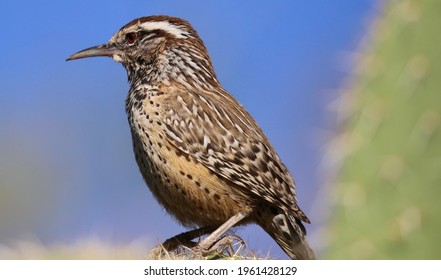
x: 131, y: 37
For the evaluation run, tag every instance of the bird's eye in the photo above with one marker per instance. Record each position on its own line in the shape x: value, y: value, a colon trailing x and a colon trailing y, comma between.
x: 131, y: 37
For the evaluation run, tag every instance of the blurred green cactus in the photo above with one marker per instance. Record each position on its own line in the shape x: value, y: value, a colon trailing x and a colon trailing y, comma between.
x: 387, y: 192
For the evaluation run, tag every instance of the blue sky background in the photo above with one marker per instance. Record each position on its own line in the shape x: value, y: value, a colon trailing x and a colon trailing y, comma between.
x: 67, y: 168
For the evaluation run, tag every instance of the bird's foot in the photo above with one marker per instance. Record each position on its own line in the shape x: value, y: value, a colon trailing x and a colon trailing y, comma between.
x: 176, y: 244
x: 225, y: 246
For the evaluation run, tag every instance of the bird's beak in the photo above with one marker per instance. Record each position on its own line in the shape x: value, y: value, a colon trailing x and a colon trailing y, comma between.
x: 101, y: 50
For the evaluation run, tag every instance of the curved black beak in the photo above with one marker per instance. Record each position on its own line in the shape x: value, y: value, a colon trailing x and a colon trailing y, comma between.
x: 101, y: 50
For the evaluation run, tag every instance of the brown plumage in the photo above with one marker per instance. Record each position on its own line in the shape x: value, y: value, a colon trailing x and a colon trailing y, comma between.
x: 202, y: 155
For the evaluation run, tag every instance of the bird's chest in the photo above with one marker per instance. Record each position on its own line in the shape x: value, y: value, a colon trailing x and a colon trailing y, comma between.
x: 143, y: 112
x: 185, y: 188
x: 154, y: 154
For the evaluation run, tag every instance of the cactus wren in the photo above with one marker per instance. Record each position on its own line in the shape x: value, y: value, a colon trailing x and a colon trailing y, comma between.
x: 202, y: 155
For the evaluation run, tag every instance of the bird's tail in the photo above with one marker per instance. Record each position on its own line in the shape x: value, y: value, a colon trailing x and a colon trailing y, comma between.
x: 287, y: 231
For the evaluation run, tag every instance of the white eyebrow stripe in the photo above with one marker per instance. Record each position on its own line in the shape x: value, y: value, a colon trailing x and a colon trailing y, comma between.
x: 166, y: 26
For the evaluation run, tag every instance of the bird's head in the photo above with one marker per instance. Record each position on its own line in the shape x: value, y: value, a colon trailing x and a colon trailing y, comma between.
x: 157, y: 47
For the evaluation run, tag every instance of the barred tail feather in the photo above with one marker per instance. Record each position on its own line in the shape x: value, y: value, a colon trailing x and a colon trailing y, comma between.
x: 289, y: 233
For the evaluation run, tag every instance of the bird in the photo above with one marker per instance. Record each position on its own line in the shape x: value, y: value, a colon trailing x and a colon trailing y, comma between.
x: 201, y: 154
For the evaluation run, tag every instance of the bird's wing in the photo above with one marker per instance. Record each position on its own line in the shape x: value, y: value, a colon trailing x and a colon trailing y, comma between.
x: 216, y: 131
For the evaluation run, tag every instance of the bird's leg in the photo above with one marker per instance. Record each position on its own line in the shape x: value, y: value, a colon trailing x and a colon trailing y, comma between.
x: 182, y: 239
x: 206, y: 245
x: 186, y: 237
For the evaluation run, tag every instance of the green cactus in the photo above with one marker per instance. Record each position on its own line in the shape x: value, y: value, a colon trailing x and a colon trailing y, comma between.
x: 386, y: 195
